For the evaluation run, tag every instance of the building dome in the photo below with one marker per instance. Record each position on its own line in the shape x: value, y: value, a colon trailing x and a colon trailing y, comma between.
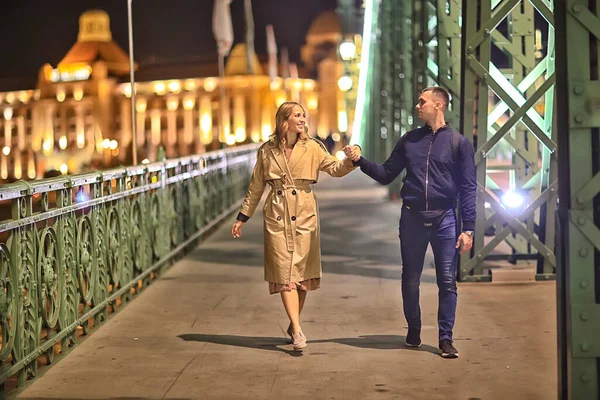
x: 237, y: 62
x: 326, y: 23
x: 94, y: 26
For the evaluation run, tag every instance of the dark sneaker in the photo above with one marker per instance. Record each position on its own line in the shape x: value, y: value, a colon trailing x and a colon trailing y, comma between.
x: 413, y: 338
x: 448, y: 351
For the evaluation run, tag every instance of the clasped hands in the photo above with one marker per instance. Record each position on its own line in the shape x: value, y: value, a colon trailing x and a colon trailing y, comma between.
x: 352, y: 152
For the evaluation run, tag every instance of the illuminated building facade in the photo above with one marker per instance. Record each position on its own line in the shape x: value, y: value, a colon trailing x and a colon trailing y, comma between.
x: 78, y: 117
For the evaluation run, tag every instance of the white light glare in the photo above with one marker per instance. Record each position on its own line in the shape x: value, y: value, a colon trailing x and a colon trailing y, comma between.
x: 512, y: 200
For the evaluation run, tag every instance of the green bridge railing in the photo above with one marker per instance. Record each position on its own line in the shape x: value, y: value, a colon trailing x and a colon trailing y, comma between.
x: 75, y: 248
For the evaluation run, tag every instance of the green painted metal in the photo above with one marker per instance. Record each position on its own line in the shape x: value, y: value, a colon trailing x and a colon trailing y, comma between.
x: 365, y: 111
x: 500, y: 118
x: 578, y: 300
x: 75, y: 248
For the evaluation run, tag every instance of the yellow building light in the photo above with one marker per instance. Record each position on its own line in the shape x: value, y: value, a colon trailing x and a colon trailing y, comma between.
x: 230, y: 139
x: 8, y: 113
x: 106, y: 143
x: 60, y: 94
x: 64, y: 169
x: 345, y: 83
x: 210, y: 84
x: 78, y: 93
x: 47, y: 146
x: 62, y: 142
x: 298, y: 85
x: 206, y: 128
x: 189, y: 103
x: 141, y: 105
x: 266, y: 132
x: 145, y: 161
x: 172, y: 104
x: 10, y: 98
x: 347, y: 51
x: 174, y: 86
x: 127, y: 89
x: 240, y: 134
x: 280, y: 99
x: 113, y: 144
x: 18, y: 167
x: 69, y: 73
x: 159, y: 88
x: 6, y: 150
x: 31, y: 168
x: 312, y: 103
x: 190, y: 85
x: 23, y: 97
x: 80, y: 140
x: 275, y: 85
x: 4, y: 168
x: 309, y: 85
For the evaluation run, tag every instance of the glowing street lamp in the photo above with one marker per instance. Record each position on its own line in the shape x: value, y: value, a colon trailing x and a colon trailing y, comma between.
x: 345, y: 83
x: 347, y: 51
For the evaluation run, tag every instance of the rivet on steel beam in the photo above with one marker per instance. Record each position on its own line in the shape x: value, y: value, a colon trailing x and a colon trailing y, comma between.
x: 487, y: 32
x: 583, y: 252
x: 586, y: 347
x: 581, y: 221
x: 579, y: 118
x: 584, y: 316
x: 469, y: 49
x: 583, y: 284
x: 577, y: 8
x: 585, y: 378
x: 580, y: 200
x: 578, y: 89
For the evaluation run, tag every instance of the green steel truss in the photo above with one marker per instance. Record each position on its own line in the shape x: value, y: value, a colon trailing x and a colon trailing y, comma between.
x: 440, y: 42
x: 74, y: 249
x: 578, y: 120
x: 499, y: 116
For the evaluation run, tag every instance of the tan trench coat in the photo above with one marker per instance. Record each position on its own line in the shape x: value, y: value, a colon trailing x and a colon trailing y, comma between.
x: 291, y: 218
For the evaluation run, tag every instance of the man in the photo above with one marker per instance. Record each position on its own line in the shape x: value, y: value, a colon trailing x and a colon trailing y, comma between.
x: 440, y: 169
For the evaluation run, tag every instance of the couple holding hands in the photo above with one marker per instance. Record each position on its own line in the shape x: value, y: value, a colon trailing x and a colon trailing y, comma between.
x: 440, y: 175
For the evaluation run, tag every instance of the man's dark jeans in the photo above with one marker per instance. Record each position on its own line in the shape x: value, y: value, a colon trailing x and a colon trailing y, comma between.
x: 414, y: 238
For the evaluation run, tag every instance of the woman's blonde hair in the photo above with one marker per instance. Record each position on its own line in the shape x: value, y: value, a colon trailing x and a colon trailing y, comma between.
x: 278, y: 137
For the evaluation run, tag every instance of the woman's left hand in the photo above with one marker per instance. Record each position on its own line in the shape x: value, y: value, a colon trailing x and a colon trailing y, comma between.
x: 236, y: 229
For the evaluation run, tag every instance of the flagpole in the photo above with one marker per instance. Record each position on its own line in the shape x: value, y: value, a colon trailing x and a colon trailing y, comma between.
x: 222, y: 95
x: 132, y: 84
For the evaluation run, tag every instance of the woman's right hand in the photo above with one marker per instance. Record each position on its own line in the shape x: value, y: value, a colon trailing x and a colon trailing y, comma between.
x: 236, y: 229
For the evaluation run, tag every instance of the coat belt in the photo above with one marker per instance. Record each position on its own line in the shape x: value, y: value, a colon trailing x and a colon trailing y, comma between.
x: 289, y: 219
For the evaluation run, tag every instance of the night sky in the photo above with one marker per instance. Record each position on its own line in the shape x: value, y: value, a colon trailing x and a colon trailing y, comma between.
x: 34, y: 32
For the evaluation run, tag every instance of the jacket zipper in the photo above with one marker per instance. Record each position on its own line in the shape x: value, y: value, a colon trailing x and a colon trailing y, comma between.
x: 427, y: 173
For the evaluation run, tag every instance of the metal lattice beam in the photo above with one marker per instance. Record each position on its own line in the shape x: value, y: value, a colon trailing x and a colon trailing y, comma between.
x: 578, y: 79
x: 512, y: 128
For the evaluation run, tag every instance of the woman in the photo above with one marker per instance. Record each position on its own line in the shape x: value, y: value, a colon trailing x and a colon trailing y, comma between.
x: 289, y: 162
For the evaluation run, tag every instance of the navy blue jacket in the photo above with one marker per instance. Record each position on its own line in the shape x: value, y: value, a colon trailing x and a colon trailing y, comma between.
x: 432, y: 174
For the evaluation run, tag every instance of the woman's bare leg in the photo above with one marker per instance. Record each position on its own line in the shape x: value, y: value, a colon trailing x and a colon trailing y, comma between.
x: 292, y: 308
x: 301, y: 300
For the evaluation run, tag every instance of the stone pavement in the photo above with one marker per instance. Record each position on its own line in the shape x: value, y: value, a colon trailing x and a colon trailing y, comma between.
x: 208, y: 329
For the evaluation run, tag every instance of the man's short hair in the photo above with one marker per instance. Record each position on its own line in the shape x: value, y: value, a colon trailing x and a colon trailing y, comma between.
x: 440, y: 91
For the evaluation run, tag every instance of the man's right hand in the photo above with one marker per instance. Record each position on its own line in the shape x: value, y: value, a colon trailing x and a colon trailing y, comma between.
x: 352, y: 152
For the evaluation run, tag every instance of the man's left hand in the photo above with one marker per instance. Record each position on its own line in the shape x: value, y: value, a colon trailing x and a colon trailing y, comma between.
x: 464, y: 243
